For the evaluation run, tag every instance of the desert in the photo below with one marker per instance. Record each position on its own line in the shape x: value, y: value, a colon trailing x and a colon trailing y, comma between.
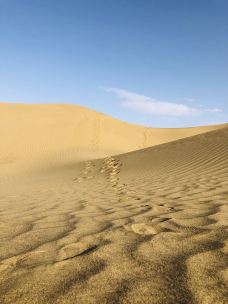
x: 96, y: 210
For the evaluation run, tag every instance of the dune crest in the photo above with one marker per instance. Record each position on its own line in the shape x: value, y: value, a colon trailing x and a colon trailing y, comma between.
x: 72, y: 131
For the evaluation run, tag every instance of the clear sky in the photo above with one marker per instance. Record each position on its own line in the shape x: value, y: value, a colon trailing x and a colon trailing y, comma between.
x: 161, y: 63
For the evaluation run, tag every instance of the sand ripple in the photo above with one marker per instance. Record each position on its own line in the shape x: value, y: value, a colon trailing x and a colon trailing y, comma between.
x: 149, y: 226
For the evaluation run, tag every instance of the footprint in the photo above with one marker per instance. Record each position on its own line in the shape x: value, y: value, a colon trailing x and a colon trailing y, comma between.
x: 75, y: 249
x: 145, y: 229
x: 6, y: 267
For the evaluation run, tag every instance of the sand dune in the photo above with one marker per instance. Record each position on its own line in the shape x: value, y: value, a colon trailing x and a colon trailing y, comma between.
x: 147, y: 226
x: 76, y: 132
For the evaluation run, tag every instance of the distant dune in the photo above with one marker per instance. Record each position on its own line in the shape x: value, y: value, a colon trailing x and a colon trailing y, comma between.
x: 51, y: 130
x: 95, y: 210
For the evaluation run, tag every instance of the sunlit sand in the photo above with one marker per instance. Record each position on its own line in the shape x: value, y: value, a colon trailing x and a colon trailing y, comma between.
x: 96, y: 210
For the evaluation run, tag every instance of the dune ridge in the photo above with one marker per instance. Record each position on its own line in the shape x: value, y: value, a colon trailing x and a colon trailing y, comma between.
x: 75, y: 132
x: 146, y: 226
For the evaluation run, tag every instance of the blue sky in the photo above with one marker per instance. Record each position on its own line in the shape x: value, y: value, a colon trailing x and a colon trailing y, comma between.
x: 161, y: 63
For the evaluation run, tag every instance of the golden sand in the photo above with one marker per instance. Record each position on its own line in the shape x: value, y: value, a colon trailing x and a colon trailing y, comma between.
x: 86, y: 219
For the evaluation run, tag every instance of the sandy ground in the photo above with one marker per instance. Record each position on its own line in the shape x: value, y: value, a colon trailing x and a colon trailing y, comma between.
x: 147, y: 226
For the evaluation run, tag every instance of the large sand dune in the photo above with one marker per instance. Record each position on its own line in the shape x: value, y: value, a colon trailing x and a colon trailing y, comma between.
x: 148, y: 226
x: 75, y: 131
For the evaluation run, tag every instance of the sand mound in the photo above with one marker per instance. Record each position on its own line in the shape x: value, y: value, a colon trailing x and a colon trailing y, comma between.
x: 74, y: 132
x: 148, y: 226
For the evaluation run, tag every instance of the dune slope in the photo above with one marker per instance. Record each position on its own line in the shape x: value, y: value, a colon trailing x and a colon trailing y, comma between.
x: 148, y: 226
x: 70, y: 132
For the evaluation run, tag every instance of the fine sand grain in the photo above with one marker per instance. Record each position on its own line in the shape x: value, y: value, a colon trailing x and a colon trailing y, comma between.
x: 79, y: 225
